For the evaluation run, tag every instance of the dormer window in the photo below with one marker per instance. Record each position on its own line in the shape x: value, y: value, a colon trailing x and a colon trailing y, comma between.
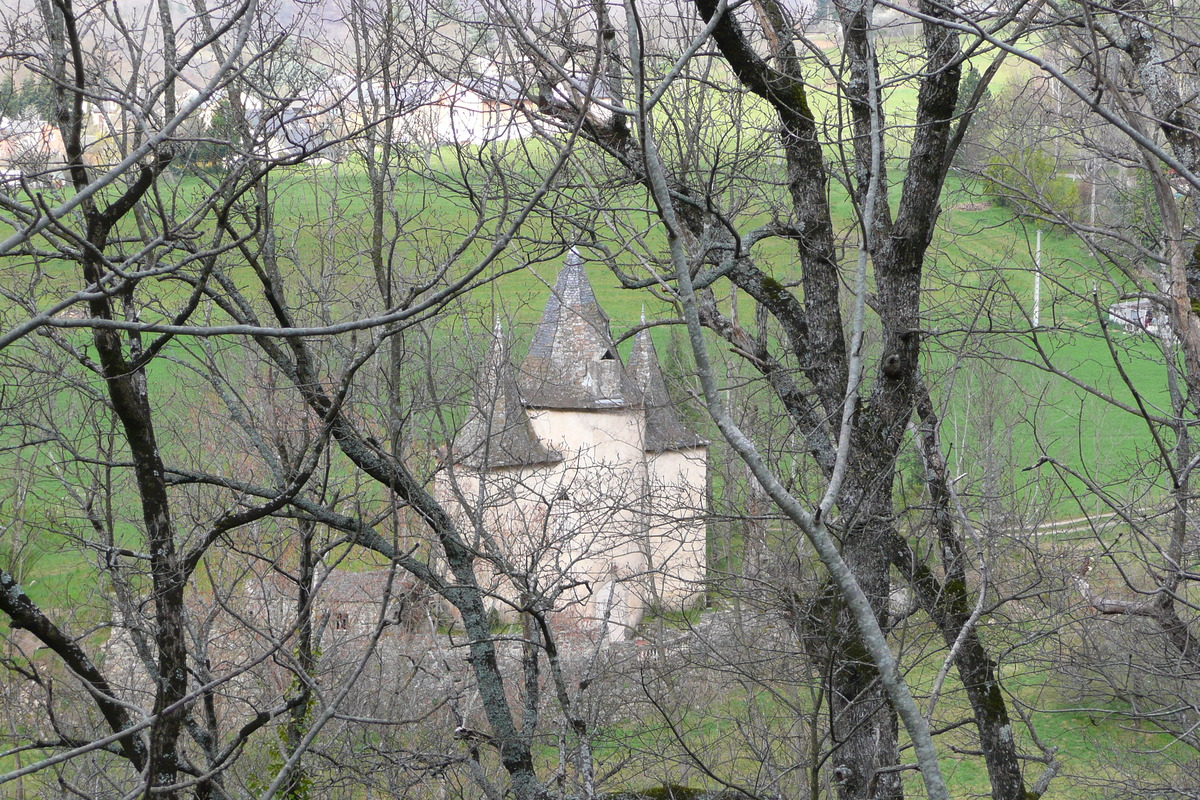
x: 608, y: 356
x: 562, y: 496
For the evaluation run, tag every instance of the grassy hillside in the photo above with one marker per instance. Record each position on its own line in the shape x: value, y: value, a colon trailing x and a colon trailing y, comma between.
x: 1002, y: 411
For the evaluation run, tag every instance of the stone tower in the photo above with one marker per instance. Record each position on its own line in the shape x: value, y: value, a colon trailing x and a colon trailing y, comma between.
x: 576, y: 474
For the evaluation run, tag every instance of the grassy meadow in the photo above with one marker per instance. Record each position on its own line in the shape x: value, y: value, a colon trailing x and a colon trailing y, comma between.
x: 986, y: 365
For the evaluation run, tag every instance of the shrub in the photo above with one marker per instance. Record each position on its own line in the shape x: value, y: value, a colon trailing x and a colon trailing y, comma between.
x: 1028, y: 182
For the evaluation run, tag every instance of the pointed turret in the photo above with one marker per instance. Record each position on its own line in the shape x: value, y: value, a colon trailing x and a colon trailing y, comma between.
x: 572, y: 362
x: 498, y: 432
x: 664, y: 431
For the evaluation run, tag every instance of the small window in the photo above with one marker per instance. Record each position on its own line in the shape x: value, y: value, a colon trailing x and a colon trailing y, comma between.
x: 562, y: 496
x: 341, y: 621
x: 608, y: 356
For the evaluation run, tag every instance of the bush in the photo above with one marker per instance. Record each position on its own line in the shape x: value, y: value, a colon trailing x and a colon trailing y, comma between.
x: 1028, y: 182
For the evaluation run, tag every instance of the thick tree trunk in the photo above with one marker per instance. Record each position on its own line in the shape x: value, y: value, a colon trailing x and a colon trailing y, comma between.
x: 864, y: 724
x: 125, y: 375
x: 130, y: 398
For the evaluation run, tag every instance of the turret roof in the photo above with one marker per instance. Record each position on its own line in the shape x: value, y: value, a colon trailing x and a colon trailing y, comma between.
x: 664, y: 431
x: 572, y: 361
x: 498, y: 432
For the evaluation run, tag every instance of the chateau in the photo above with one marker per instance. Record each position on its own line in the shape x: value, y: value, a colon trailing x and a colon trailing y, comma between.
x: 574, y: 476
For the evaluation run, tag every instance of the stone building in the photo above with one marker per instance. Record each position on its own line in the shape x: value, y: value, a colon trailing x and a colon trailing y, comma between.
x: 574, y: 476
x: 245, y: 635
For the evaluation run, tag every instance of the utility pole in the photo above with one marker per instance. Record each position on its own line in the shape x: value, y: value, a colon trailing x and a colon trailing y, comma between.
x: 1092, y: 199
x: 1037, y: 280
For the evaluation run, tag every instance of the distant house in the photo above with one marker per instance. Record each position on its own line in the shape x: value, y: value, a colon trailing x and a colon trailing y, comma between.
x: 408, y: 107
x: 285, y: 132
x: 248, y: 635
x: 476, y: 110
x: 484, y: 109
x: 576, y: 472
x: 467, y: 110
x: 30, y: 150
x: 1141, y: 315
x: 347, y: 606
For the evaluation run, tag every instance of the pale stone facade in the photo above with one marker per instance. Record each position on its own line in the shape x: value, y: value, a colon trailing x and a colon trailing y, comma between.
x: 246, y: 636
x: 574, y: 476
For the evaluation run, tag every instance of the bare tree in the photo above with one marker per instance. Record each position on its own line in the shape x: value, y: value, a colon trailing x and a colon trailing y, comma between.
x: 1120, y: 89
x: 319, y: 337
x: 137, y: 219
x: 639, y: 107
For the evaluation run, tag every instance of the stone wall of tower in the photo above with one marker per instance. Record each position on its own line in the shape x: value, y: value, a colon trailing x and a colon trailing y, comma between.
x: 580, y: 523
x: 676, y: 519
x: 508, y: 515
x: 624, y: 528
x: 601, y: 495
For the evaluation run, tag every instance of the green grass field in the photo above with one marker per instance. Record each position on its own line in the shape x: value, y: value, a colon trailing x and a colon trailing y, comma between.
x: 998, y: 403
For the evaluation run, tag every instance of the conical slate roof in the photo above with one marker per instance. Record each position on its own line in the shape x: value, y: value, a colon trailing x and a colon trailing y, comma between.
x: 498, y: 432
x: 664, y: 431
x: 572, y: 362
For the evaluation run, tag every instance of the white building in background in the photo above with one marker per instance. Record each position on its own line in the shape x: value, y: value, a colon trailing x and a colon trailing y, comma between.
x: 576, y: 474
x: 479, y: 110
x: 31, y: 150
x: 482, y: 110
x: 1142, y: 315
x: 485, y: 107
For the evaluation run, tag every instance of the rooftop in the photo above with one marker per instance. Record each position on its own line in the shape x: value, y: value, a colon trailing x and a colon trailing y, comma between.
x: 498, y: 432
x: 572, y: 361
x: 664, y: 431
